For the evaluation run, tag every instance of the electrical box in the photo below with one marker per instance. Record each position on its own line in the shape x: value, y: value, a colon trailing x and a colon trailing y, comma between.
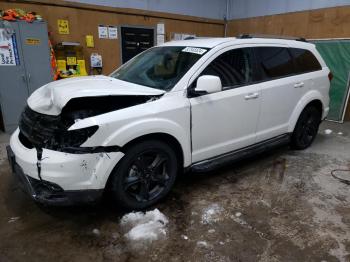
x: 24, y: 66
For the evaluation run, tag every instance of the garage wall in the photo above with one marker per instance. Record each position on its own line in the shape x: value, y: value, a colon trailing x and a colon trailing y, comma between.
x: 322, y: 23
x: 201, y: 8
x: 84, y: 20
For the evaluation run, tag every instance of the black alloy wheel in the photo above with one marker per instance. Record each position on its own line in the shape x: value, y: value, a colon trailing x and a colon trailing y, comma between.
x: 145, y: 174
x: 306, y: 128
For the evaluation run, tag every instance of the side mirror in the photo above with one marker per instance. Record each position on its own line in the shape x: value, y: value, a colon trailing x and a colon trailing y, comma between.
x: 206, y: 84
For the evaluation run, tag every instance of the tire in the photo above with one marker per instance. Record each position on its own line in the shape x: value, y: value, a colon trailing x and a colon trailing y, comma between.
x: 144, y: 175
x: 306, y: 128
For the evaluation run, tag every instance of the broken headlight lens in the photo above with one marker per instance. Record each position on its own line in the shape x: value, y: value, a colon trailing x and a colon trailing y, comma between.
x: 75, y: 138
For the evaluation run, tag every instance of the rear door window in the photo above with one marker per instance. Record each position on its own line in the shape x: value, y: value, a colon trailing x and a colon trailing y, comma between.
x: 305, y: 61
x: 233, y: 67
x: 274, y: 62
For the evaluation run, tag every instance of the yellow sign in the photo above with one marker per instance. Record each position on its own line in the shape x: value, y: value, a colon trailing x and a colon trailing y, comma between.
x: 71, y: 60
x: 61, y: 65
x: 81, y: 67
x: 90, y: 41
x: 63, y: 26
x: 32, y: 41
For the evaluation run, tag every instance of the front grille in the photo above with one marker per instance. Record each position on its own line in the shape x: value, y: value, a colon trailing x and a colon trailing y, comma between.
x: 38, y: 128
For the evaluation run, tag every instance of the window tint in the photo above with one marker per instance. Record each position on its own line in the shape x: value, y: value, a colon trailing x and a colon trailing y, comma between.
x: 305, y: 61
x: 233, y: 68
x: 274, y: 62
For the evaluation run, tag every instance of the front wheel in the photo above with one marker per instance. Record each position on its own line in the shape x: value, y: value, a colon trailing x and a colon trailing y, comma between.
x: 306, y: 128
x: 145, y: 174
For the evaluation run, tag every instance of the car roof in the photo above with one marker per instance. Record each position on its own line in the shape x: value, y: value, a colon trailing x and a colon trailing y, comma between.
x: 212, y: 42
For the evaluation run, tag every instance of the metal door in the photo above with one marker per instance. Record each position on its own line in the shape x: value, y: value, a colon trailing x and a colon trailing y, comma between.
x: 135, y: 41
x: 36, y: 53
x: 13, y: 86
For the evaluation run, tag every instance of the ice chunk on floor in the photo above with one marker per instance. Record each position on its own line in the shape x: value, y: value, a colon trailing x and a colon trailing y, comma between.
x: 13, y: 219
x: 96, y: 232
x: 328, y: 131
x: 202, y: 244
x: 143, y: 228
x: 212, y: 214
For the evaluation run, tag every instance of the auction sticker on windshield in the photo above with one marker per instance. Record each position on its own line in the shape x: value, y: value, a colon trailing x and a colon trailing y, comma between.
x: 194, y: 50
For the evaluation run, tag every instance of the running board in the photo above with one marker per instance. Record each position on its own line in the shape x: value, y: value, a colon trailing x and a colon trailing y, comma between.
x: 222, y: 160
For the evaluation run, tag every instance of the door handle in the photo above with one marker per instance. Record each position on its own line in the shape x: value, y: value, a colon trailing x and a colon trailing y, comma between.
x: 299, y: 85
x: 28, y: 77
x: 251, y: 96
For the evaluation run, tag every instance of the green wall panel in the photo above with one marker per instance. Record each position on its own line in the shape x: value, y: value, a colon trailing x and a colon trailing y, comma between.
x: 336, y: 54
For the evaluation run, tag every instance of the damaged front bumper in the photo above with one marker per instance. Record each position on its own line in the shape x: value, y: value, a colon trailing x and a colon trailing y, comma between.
x: 65, y: 178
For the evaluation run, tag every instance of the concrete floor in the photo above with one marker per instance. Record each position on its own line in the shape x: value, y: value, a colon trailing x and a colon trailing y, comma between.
x: 281, y: 206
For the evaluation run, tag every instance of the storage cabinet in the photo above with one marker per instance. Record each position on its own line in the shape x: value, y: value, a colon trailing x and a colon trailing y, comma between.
x: 29, y: 70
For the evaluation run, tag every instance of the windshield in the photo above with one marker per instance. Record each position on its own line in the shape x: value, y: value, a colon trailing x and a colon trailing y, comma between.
x: 160, y: 67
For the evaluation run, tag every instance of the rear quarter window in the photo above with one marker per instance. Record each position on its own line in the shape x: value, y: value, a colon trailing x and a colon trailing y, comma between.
x: 274, y: 62
x: 305, y: 61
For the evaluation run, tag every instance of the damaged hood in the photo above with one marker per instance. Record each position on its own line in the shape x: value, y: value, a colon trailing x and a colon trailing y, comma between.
x: 51, y: 98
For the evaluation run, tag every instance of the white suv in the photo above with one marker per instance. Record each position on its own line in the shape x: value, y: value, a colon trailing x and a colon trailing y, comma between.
x: 185, y: 105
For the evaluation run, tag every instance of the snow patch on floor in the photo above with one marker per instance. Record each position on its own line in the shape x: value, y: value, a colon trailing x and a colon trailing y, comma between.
x: 203, y: 244
x: 212, y: 214
x: 144, y: 228
x: 328, y: 131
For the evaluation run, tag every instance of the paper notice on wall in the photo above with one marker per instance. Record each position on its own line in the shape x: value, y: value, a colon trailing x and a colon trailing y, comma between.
x: 102, y: 31
x: 89, y: 41
x: 160, y: 29
x: 113, y: 32
x: 95, y: 60
x: 8, y: 49
x: 160, y: 39
x: 63, y: 26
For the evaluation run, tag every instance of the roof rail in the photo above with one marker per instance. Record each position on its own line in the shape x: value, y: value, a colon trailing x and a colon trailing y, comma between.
x: 196, y: 37
x: 247, y: 36
x: 190, y: 38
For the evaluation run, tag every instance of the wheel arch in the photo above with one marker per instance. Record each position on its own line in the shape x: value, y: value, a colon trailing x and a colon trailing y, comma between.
x: 164, y: 137
x: 310, y: 99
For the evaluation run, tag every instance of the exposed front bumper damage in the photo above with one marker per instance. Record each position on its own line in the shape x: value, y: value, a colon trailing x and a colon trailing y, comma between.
x: 65, y: 178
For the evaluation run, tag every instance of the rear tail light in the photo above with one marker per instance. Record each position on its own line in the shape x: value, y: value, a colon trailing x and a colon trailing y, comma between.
x: 330, y: 76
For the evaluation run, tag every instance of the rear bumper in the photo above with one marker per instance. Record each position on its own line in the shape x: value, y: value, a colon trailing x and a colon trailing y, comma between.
x: 45, y: 192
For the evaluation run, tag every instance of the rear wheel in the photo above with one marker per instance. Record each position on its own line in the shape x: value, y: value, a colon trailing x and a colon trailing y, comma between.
x: 306, y: 128
x: 145, y: 175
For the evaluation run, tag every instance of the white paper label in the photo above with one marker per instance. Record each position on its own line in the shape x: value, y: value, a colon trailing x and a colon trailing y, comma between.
x: 102, y: 31
x: 160, y: 39
x: 96, y: 60
x: 8, y: 50
x: 113, y: 32
x: 160, y: 29
x: 194, y: 50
